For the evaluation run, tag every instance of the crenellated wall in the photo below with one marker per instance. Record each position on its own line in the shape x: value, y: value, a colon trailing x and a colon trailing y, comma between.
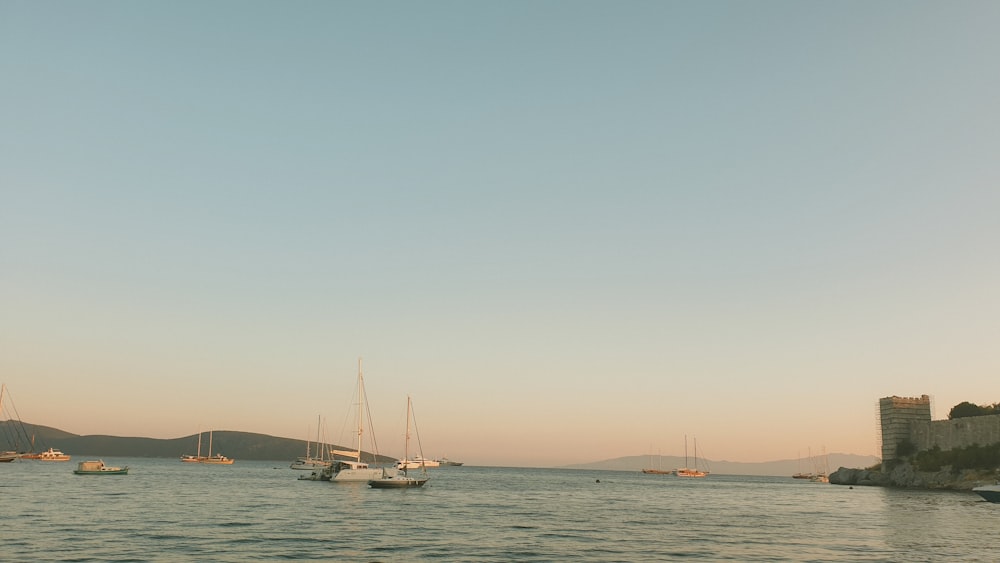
x: 909, y: 418
x: 897, y: 417
x: 958, y: 433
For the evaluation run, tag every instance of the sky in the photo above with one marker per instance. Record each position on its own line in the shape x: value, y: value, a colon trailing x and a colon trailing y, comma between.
x: 570, y: 230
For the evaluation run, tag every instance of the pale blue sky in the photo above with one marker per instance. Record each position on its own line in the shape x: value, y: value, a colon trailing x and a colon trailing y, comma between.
x: 571, y: 230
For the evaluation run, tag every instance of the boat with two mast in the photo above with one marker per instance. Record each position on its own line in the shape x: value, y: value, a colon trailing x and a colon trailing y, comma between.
x: 687, y: 471
x: 310, y: 463
x: 217, y: 459
x: 655, y: 470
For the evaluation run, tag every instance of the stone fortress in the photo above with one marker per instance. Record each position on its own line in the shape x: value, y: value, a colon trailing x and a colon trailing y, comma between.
x: 909, y: 418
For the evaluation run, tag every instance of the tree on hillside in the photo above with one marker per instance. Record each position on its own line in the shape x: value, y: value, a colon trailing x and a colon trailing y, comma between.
x: 966, y: 409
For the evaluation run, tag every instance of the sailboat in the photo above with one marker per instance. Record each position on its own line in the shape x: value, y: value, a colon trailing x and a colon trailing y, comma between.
x: 217, y: 459
x: 822, y: 468
x: 800, y: 474
x: 353, y: 470
x: 10, y: 455
x: 650, y: 471
x: 402, y: 480
x: 309, y: 463
x: 687, y: 471
x: 194, y: 458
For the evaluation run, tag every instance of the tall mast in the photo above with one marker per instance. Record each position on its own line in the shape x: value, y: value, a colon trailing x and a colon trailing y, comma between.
x: 319, y: 422
x: 685, y: 450
x: 406, y: 444
x: 361, y: 403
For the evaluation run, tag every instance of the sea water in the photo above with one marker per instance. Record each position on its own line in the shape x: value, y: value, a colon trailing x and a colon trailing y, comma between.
x: 165, y: 510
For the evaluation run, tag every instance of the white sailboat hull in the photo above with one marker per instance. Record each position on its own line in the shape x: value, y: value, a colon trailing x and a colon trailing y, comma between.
x: 364, y: 475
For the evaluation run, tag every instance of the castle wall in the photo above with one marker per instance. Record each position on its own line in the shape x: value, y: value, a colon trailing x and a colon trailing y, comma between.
x: 909, y: 418
x: 958, y: 433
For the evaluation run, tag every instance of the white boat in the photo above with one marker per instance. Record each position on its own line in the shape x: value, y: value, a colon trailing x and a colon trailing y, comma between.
x: 52, y: 454
x: 217, y: 459
x: 98, y: 468
x: 822, y: 466
x: 355, y: 470
x: 401, y: 480
x: 7, y: 457
x: 310, y: 463
x: 688, y: 471
x: 417, y: 462
x: 988, y: 492
x: 444, y: 461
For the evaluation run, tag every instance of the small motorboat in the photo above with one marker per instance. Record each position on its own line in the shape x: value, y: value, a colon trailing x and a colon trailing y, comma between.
x: 98, y: 468
x: 989, y: 492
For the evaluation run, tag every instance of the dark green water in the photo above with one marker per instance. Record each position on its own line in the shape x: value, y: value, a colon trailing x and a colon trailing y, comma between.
x: 166, y: 510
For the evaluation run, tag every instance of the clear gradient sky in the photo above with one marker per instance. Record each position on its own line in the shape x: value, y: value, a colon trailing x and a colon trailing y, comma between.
x: 571, y: 230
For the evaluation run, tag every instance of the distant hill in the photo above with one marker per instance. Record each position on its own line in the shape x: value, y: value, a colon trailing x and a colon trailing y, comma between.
x: 18, y: 436
x: 774, y: 468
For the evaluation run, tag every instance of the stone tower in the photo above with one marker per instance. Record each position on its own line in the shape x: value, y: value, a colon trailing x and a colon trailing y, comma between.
x: 896, y: 414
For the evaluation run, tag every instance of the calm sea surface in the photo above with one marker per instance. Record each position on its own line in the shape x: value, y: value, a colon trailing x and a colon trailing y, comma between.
x: 168, y: 510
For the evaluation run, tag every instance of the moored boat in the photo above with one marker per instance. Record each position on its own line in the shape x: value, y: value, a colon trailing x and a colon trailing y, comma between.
x: 353, y: 470
x: 688, y: 471
x: 417, y: 462
x: 7, y: 457
x: 398, y: 481
x: 988, y: 492
x: 444, y: 461
x: 97, y: 467
x: 52, y: 454
x: 401, y: 480
x: 217, y: 459
x: 310, y: 463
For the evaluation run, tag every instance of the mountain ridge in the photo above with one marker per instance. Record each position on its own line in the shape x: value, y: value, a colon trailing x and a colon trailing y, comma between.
x: 18, y: 436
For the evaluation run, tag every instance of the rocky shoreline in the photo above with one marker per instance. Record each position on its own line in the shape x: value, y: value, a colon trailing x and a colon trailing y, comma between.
x: 905, y: 475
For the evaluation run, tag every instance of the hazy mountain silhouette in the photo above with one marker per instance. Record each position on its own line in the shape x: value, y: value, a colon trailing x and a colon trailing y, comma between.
x: 15, y: 435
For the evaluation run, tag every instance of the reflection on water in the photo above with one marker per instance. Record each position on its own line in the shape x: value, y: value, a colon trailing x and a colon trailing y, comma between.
x: 166, y: 510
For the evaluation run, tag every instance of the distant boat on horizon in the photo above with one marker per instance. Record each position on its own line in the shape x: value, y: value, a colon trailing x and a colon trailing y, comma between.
x: 657, y: 471
x: 50, y: 454
x: 688, y: 471
x: 217, y: 459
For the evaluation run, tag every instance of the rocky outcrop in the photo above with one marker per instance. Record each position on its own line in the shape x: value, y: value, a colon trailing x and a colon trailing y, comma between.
x: 906, y: 475
x: 864, y: 477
